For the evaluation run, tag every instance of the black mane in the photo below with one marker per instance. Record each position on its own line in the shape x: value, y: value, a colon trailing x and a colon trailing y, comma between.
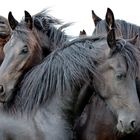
x: 47, y: 25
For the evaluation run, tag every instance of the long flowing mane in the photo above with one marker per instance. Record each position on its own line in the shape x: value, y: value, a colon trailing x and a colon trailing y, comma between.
x: 62, y: 72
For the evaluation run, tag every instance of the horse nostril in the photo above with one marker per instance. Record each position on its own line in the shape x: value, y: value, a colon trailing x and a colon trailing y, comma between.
x: 133, y: 124
x: 1, y: 89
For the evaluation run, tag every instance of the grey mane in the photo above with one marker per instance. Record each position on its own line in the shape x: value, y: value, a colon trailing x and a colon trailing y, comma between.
x: 62, y: 72
x: 129, y: 30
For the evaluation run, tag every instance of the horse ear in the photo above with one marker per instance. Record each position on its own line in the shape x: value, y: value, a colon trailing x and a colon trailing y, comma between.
x: 84, y: 32
x: 110, y: 18
x: 133, y: 40
x: 111, y: 39
x: 12, y: 21
x: 95, y: 18
x: 28, y: 19
x: 81, y: 33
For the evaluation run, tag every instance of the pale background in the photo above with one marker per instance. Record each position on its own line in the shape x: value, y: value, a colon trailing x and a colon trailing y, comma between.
x: 77, y: 11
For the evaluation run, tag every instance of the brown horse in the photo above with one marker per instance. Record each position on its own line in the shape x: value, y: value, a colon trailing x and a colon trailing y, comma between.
x: 39, y: 30
x: 5, y: 32
x: 94, y: 123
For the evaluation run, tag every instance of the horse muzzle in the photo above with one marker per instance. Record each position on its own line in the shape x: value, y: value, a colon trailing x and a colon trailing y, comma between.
x: 127, y: 128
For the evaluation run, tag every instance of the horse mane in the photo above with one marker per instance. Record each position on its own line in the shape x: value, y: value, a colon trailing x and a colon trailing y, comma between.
x: 88, y: 40
x: 102, y: 30
x: 130, y: 54
x: 46, y: 24
x: 124, y: 29
x: 62, y: 72
x: 129, y: 30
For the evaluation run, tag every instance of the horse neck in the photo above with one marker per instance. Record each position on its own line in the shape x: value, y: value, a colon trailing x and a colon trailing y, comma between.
x: 96, y: 117
x: 60, y: 105
x: 57, y: 37
x: 50, y: 40
x: 47, y: 117
x: 63, y: 105
x: 43, y: 41
x: 52, y: 120
x: 129, y: 30
x: 56, y: 113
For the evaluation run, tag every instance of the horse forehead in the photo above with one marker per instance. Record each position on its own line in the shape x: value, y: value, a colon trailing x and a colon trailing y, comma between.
x: 13, y: 42
x: 15, y: 38
x: 100, y: 27
x: 118, y: 63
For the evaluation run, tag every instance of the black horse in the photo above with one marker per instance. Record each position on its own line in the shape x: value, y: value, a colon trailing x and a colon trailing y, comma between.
x: 93, y: 121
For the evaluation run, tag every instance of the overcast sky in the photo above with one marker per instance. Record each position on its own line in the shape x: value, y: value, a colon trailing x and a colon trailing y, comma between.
x: 77, y: 11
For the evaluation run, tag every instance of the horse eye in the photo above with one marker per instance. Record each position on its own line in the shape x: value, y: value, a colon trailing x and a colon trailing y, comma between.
x: 1, y: 22
x: 24, y: 50
x: 120, y: 76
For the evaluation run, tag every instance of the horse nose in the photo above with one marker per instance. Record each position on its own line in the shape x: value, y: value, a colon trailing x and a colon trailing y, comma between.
x: 127, y: 127
x: 1, y: 90
x: 133, y: 124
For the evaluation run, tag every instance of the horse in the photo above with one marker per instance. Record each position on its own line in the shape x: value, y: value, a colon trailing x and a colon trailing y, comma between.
x: 5, y: 32
x: 40, y: 31
x: 47, y: 95
x: 93, y: 120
